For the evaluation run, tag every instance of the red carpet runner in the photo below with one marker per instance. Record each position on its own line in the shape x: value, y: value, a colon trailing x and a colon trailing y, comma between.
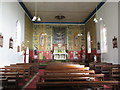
x: 32, y: 85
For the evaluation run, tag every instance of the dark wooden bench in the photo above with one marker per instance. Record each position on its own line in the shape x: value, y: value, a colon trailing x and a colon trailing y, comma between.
x: 93, y: 84
x: 24, y: 71
x: 64, y: 66
x: 108, y: 70
x: 17, y: 73
x: 21, y: 73
x: 68, y: 71
x: 3, y: 82
x: 9, y: 78
x: 71, y: 77
x: 116, y: 73
x: 34, y: 66
x: 58, y: 74
x: 97, y: 66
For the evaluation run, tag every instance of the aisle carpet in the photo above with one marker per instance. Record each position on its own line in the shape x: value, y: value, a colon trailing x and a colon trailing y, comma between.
x: 32, y: 85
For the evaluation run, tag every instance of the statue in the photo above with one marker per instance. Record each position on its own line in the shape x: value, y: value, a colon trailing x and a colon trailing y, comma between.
x: 35, y: 53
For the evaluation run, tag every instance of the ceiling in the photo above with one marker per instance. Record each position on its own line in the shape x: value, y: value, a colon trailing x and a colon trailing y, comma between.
x: 73, y: 11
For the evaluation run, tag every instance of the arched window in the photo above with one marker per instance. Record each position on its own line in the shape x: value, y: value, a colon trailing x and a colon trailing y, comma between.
x: 103, y: 38
x: 18, y: 36
x: 88, y: 42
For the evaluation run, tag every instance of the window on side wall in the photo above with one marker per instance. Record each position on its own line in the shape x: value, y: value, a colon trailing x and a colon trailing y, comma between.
x: 103, y: 37
x: 88, y: 42
x: 18, y: 36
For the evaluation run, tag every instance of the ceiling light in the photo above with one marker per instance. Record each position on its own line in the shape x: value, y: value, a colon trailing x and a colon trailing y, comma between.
x: 80, y: 34
x: 38, y: 19
x: 35, y: 18
x: 100, y: 19
x: 95, y: 20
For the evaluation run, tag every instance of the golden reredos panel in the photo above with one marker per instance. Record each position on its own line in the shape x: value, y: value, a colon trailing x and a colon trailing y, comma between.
x: 45, y: 42
x: 42, y: 37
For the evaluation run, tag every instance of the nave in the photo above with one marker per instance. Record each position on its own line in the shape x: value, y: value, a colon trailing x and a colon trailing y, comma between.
x: 59, y: 45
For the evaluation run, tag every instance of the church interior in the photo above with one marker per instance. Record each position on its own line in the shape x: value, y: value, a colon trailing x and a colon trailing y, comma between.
x: 69, y: 45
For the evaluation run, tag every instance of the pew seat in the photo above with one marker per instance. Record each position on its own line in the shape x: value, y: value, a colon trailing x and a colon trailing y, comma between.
x: 16, y: 76
x: 93, y: 84
x: 71, y: 77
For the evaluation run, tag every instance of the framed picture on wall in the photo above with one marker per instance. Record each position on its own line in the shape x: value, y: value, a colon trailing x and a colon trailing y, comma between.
x: 1, y: 40
x: 98, y: 45
x: 11, y: 43
x: 114, y: 41
x: 18, y: 48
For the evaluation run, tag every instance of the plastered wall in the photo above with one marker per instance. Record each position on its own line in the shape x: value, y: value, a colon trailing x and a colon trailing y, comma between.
x: 10, y: 13
x: 109, y: 13
x: 28, y: 33
x: 90, y: 26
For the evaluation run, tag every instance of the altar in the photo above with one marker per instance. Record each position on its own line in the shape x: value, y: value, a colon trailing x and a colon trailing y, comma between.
x: 60, y: 53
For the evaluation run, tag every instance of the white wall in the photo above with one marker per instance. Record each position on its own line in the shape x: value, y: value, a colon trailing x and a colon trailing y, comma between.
x: 10, y: 12
x: 109, y: 13
x: 119, y: 33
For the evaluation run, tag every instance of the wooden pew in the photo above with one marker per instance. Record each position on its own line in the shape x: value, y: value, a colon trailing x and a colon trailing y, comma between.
x: 21, y: 73
x: 107, y: 69
x: 24, y: 71
x: 63, y: 66
x: 29, y: 68
x: 3, y: 81
x: 71, y: 77
x: 7, y: 71
x: 116, y: 73
x: 69, y: 71
x: 9, y: 78
x: 71, y: 74
x: 17, y: 73
x: 97, y: 66
x: 93, y: 84
x: 34, y: 67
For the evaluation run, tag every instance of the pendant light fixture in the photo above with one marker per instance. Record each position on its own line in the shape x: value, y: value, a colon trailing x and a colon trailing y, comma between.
x: 95, y: 19
x: 36, y: 18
